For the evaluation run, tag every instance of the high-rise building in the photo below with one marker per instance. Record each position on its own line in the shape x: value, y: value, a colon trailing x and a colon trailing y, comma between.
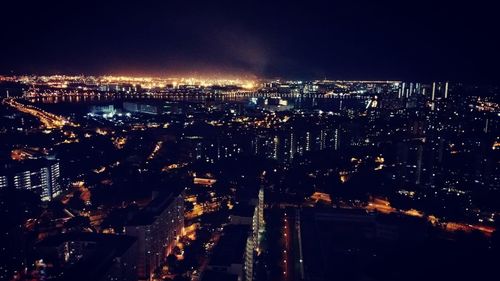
x: 141, y: 108
x: 258, y: 226
x: 249, y: 259
x: 308, y: 141
x: 3, y: 182
x: 40, y: 176
x: 253, y: 244
x: 276, y: 142
x: 292, y: 146
x: 157, y: 227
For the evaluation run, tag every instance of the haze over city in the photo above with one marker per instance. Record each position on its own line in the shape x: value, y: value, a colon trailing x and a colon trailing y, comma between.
x: 393, y: 40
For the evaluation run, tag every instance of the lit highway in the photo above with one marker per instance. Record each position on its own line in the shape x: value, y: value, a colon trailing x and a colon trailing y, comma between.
x: 48, y: 120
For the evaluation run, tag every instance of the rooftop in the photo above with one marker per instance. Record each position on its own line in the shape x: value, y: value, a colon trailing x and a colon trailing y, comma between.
x: 99, y: 258
x: 231, y: 246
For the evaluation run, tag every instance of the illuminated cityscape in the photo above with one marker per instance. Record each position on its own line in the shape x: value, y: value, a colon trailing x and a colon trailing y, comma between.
x: 249, y: 142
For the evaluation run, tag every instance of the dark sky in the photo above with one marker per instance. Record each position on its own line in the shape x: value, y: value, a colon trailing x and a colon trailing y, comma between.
x: 418, y: 40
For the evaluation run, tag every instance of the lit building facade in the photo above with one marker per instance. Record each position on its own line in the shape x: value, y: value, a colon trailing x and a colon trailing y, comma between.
x: 157, y: 228
x: 40, y: 176
x: 253, y: 244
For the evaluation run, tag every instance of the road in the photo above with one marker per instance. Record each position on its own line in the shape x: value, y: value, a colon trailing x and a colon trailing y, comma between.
x: 288, y: 232
x: 48, y: 120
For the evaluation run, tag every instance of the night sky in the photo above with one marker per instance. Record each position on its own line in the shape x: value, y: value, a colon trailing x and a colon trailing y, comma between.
x: 416, y: 40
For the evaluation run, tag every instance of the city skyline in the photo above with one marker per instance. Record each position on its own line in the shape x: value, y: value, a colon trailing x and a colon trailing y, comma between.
x: 249, y: 140
x: 258, y: 180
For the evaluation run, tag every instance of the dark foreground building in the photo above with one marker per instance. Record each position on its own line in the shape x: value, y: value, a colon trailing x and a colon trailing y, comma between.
x: 87, y: 256
x: 228, y: 257
x: 344, y: 244
x: 157, y: 227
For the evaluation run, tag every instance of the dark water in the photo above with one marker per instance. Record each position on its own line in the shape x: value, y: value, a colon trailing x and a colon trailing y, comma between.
x: 286, y: 102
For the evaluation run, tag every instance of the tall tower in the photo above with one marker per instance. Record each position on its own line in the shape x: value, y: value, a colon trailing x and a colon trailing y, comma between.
x: 419, y: 164
x: 255, y: 238
x: 249, y: 257
x: 336, y: 144
x: 261, y: 210
x: 255, y: 225
x: 433, y: 95
x: 258, y: 223
x: 308, y: 141
x: 322, y: 140
x: 276, y: 143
